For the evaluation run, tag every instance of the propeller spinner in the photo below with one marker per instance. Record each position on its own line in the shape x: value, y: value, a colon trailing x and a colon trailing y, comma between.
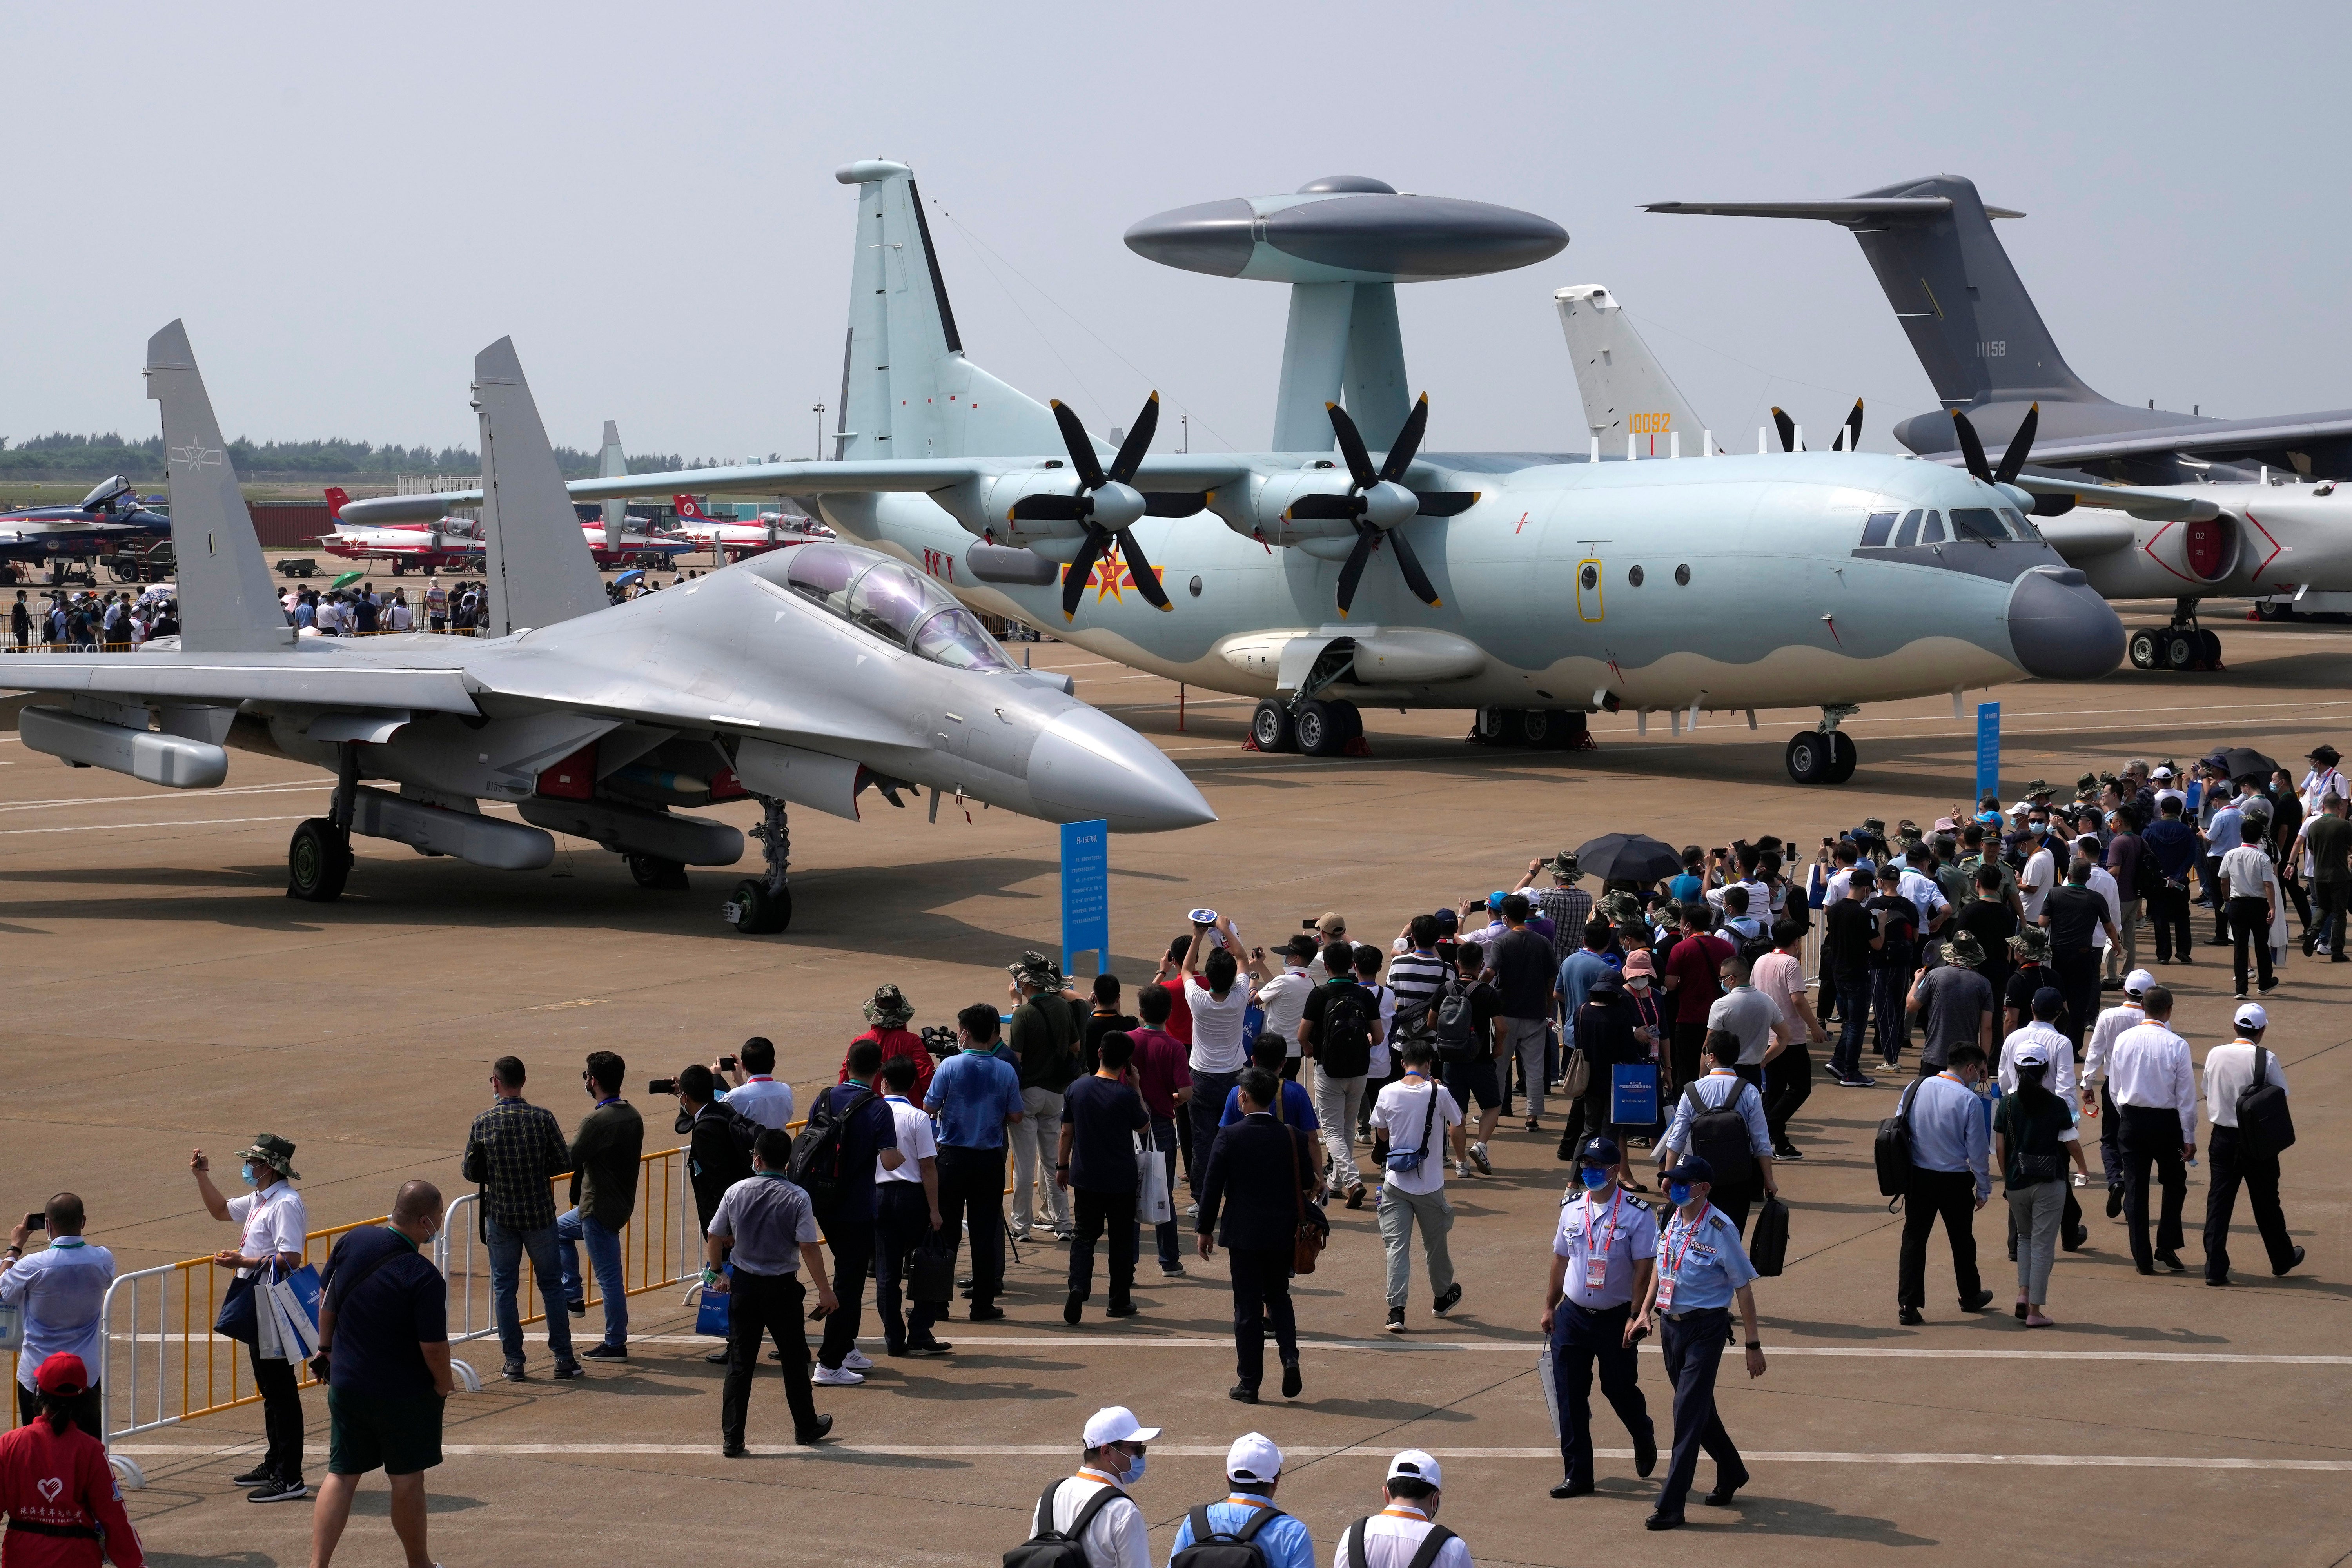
x: 1107, y: 504
x: 1376, y: 501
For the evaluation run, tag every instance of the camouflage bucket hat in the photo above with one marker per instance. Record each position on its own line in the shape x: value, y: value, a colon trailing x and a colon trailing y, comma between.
x: 1622, y: 909
x: 1564, y: 866
x: 1033, y: 968
x: 2031, y: 941
x: 1965, y: 949
x: 888, y: 1009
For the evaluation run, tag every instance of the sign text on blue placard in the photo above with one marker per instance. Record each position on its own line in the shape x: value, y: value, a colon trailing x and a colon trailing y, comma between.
x: 1987, y: 749
x: 1086, y: 893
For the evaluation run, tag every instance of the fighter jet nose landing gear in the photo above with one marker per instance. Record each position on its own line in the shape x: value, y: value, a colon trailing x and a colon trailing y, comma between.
x: 763, y: 906
x: 1825, y: 755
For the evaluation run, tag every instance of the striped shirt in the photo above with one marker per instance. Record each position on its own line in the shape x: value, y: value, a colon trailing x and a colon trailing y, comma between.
x: 1415, y: 977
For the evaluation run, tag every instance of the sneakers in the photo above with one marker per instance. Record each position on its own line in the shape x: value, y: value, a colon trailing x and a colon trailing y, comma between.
x: 1788, y: 1152
x: 1173, y: 1270
x: 1478, y: 1156
x: 605, y: 1352
x: 1461, y: 1167
x: 512, y: 1371
x: 565, y: 1369
x: 836, y: 1376
x: 1355, y: 1201
x: 261, y: 1472
x: 1396, y: 1320
x: 577, y: 1306
x: 280, y: 1489
x: 1447, y: 1302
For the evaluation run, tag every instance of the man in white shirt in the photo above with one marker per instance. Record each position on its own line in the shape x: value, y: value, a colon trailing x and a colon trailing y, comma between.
x: 907, y: 1213
x: 275, y: 1221
x: 2250, y: 894
x: 1219, y: 996
x: 2233, y: 1158
x: 2155, y: 1089
x: 2112, y: 1022
x: 1416, y: 1116
x: 758, y: 1093
x: 1114, y: 1536
x: 2041, y: 874
x: 1283, y: 997
x: 1393, y: 1538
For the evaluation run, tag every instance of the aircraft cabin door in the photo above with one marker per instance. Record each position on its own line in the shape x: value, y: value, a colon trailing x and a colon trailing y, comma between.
x: 1588, y: 575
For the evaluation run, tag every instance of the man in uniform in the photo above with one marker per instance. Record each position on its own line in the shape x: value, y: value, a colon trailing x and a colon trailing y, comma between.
x: 1701, y: 1270
x: 1602, y: 1256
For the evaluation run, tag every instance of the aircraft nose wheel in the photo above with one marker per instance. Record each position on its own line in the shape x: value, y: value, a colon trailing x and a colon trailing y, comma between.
x: 757, y: 910
x: 1812, y: 758
x: 318, y: 862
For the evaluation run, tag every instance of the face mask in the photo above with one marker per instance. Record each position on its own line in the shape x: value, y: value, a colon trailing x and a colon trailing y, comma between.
x: 1134, y: 1472
x: 1678, y: 1192
x: 1638, y: 985
x: 1595, y: 1178
x: 245, y: 1172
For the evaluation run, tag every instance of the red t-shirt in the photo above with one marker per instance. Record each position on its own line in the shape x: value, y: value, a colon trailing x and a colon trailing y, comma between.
x: 1697, y: 964
x: 1159, y: 1071
x: 60, y: 1478
x: 898, y: 1043
x: 1180, y: 1011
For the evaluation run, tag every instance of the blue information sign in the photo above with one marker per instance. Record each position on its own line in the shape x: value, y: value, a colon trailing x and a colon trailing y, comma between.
x: 1987, y: 749
x: 1086, y: 893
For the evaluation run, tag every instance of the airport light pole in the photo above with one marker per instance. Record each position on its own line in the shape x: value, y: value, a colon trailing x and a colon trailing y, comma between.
x: 819, y: 411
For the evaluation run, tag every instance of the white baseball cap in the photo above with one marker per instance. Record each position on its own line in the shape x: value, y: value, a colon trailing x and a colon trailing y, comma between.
x: 1117, y: 1424
x: 2161, y: 772
x: 2033, y: 1054
x: 2250, y: 1016
x: 1253, y: 1457
x: 1415, y: 1465
x: 2137, y: 982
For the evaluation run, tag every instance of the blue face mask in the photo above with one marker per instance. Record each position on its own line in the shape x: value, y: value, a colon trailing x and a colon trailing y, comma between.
x: 1595, y: 1177
x: 245, y: 1173
x: 1134, y: 1472
x: 1678, y: 1192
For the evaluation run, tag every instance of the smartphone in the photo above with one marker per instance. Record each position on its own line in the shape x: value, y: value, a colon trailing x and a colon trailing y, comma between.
x: 728, y: 1064
x: 662, y: 1086
x: 37, y: 1220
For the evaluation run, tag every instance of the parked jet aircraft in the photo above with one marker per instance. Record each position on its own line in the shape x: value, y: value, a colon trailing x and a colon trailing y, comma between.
x: 444, y: 544
x: 1984, y: 346
x: 108, y: 518
x: 737, y: 541
x: 801, y: 679
x: 1532, y: 587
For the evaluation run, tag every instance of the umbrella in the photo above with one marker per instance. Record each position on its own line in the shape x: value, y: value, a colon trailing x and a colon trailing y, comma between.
x: 345, y: 580
x: 2243, y: 763
x: 634, y: 575
x: 1628, y: 858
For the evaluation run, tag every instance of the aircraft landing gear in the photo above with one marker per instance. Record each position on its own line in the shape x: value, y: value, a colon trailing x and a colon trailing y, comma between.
x: 655, y: 874
x: 1271, y: 728
x: 1531, y: 729
x: 764, y: 905
x: 2183, y: 646
x: 1825, y: 755
x: 1323, y: 728
x: 319, y: 858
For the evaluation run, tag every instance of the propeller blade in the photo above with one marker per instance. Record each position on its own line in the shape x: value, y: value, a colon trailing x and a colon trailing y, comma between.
x: 1049, y: 509
x: 1971, y: 449
x: 1081, y: 445
x: 1074, y: 587
x: 1446, y: 503
x: 1351, y: 447
x: 2021, y: 447
x: 1174, y: 504
x: 1132, y: 451
x: 1788, y: 429
x: 1146, y: 581
x: 1408, y: 441
x: 1854, y: 427
x: 1410, y: 564
x: 1352, y: 573
x: 1323, y: 508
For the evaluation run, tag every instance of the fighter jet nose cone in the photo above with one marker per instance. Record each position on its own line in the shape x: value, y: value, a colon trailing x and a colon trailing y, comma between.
x: 2060, y: 628
x: 1086, y: 764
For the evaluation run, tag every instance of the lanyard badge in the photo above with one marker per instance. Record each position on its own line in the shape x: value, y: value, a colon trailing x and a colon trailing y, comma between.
x: 1670, y: 1260
x: 1596, y: 1243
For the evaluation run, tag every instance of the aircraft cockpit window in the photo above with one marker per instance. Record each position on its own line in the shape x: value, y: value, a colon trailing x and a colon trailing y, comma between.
x: 953, y: 637
x: 1977, y: 522
x: 823, y: 572
x: 113, y: 490
x: 889, y: 599
x: 2019, y: 528
x: 1908, y: 534
x: 1932, y: 531
x: 1875, y: 532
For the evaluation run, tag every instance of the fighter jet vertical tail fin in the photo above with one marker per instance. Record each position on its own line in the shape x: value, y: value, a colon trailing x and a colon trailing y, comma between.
x: 227, y: 604
x: 908, y: 390
x: 1625, y: 390
x: 536, y: 560
x: 614, y: 464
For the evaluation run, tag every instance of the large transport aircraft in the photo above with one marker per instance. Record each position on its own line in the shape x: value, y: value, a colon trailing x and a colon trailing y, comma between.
x: 1532, y: 588
x: 803, y: 678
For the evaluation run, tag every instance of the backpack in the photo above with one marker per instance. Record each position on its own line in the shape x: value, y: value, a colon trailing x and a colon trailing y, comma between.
x: 1430, y: 1545
x: 1051, y: 1547
x: 1346, y: 1047
x: 2264, y: 1123
x: 1891, y: 1148
x: 1223, y: 1549
x: 2147, y: 876
x: 1455, y: 1022
x: 815, y: 1165
x: 1719, y: 1135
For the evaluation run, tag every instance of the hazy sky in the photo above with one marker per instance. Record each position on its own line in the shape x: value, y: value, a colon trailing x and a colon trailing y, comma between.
x: 346, y: 203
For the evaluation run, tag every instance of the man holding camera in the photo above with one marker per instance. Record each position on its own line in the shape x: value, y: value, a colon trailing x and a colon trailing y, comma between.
x: 756, y: 1092
x: 513, y: 1150
x: 62, y: 1292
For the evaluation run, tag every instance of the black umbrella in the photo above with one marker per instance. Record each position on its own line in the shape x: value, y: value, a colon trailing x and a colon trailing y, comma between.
x: 1628, y: 858
x: 2243, y: 763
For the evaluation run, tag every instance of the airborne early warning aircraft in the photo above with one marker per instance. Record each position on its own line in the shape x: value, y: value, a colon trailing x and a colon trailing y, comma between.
x: 802, y: 678
x: 1532, y: 588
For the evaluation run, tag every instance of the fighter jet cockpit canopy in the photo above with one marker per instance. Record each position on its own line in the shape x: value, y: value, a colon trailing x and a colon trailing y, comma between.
x: 894, y: 602
x: 104, y: 498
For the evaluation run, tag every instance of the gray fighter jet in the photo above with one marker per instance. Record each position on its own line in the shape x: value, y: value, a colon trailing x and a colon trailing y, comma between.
x: 801, y: 679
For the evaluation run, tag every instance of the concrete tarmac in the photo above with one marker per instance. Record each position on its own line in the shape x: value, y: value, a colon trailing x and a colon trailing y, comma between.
x: 163, y: 994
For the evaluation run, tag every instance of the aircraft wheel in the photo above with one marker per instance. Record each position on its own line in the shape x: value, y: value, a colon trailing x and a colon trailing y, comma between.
x: 2147, y: 652
x: 2209, y: 644
x: 1843, y: 757
x: 2180, y: 650
x: 1270, y: 727
x: 756, y: 912
x: 1321, y: 732
x: 1808, y: 757
x: 1349, y: 719
x: 318, y: 862
x: 1537, y: 729
x: 654, y: 872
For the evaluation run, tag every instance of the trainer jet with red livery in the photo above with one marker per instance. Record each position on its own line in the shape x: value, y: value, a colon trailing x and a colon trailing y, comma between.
x: 739, y: 540
x: 445, y: 544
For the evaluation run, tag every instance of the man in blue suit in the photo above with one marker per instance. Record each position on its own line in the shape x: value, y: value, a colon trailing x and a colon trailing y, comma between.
x: 1266, y: 1170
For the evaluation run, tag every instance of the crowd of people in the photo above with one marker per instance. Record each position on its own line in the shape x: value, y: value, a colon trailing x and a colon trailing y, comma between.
x: 89, y: 622
x: 1993, y: 958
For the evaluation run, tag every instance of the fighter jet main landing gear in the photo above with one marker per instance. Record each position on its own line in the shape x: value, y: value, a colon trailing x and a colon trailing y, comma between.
x: 2182, y: 645
x: 764, y: 905
x: 1825, y: 755
x: 319, y: 859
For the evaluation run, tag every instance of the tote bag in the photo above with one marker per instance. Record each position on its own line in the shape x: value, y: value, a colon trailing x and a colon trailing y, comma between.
x: 1151, y: 1201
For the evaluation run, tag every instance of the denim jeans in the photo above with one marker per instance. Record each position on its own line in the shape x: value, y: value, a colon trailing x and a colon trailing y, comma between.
x: 572, y: 1229
x: 506, y: 1248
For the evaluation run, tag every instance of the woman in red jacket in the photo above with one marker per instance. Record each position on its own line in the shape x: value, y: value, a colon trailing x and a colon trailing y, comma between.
x: 63, y: 1508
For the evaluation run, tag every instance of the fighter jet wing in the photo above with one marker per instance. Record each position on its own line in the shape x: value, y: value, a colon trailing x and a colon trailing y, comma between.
x: 2149, y: 505
x: 2209, y: 438
x: 339, y: 674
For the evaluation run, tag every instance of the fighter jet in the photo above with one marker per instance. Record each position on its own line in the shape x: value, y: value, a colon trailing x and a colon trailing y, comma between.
x: 804, y: 678
x: 1531, y: 588
x: 108, y: 518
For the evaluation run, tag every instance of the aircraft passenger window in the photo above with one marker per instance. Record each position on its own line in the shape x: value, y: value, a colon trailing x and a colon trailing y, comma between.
x: 1682, y: 576
x: 1633, y: 576
x: 1875, y: 532
x: 1589, y: 577
x: 1977, y: 522
x: 889, y: 599
x: 1908, y: 534
x: 952, y: 637
x: 1932, y: 531
x: 823, y: 572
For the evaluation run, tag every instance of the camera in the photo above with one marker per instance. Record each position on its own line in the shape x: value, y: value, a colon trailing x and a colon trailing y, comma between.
x: 939, y: 1041
x: 662, y: 1086
x: 728, y: 1064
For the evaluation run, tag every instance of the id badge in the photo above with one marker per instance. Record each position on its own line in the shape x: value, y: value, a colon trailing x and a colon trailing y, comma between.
x: 1596, y: 1272
x: 1666, y: 1292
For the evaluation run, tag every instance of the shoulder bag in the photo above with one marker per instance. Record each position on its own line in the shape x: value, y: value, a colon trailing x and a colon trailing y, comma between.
x: 1314, y: 1230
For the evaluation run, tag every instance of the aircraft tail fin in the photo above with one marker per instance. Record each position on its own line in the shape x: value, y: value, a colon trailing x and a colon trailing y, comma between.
x: 336, y: 497
x: 227, y: 604
x: 612, y: 463
x: 536, y: 558
x: 687, y: 506
x: 1626, y: 391
x: 907, y: 390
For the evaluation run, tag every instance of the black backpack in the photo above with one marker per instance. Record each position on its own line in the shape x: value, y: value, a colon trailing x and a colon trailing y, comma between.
x: 1719, y: 1135
x: 1891, y: 1148
x: 816, y: 1154
x: 1430, y: 1545
x: 1345, y: 1049
x: 2148, y: 874
x: 1225, y: 1549
x: 1051, y: 1547
x: 1454, y: 1023
x: 2264, y: 1123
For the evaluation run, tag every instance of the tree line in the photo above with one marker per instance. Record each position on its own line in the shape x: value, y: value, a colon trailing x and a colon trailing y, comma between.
x: 65, y: 455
